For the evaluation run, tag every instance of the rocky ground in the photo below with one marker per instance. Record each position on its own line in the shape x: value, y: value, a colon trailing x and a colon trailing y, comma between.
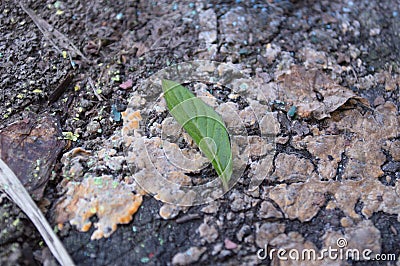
x: 313, y: 86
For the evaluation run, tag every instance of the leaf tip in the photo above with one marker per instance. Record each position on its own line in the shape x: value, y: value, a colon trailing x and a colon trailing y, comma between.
x: 168, y: 84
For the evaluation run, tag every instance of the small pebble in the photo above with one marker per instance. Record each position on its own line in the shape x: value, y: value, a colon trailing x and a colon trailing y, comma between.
x: 126, y: 85
x: 189, y: 256
x: 229, y: 244
x: 144, y: 260
x: 379, y: 101
x: 93, y: 127
x: 115, y: 115
x: 244, y: 231
x: 208, y: 232
x: 217, y: 248
x: 225, y: 253
x: 346, y: 222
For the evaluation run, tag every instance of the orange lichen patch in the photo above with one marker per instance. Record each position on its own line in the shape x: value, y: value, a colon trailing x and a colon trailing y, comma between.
x: 369, y: 132
x: 135, y: 115
x: 327, y: 148
x: 134, y: 124
x: 299, y: 200
x: 289, y: 168
x: 357, y: 135
x: 302, y: 88
x: 112, y: 202
x: 132, y: 210
x: 303, y: 200
x: 132, y: 119
x: 86, y: 227
x: 360, y: 137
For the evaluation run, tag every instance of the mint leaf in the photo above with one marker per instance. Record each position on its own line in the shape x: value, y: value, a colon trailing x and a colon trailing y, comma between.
x: 203, y: 124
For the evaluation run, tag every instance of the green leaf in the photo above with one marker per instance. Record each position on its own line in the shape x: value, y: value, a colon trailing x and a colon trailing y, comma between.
x: 203, y: 124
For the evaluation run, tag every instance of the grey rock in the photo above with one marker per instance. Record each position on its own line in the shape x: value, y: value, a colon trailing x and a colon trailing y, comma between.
x: 93, y: 127
x: 208, y: 232
x: 268, y: 231
x: 208, y: 26
x: 240, y: 201
x: 189, y: 256
x: 267, y: 210
x: 212, y: 207
x: 244, y: 231
x: 217, y: 248
x: 392, y: 167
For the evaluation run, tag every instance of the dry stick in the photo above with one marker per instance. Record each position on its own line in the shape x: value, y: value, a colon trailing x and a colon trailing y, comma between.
x: 94, y: 89
x: 53, y: 35
x: 11, y: 185
x: 61, y: 88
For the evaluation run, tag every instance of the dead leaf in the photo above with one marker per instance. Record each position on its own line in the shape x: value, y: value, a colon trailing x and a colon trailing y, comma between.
x: 142, y: 48
x: 30, y: 147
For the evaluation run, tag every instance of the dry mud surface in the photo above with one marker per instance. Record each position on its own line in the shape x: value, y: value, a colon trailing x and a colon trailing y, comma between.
x: 315, y: 92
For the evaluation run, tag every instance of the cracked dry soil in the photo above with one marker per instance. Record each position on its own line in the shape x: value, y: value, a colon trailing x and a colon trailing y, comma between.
x: 329, y: 75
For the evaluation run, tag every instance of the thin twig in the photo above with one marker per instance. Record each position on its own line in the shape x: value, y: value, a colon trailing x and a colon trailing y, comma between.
x: 53, y: 35
x: 61, y: 87
x: 187, y: 218
x: 94, y: 89
x: 11, y: 185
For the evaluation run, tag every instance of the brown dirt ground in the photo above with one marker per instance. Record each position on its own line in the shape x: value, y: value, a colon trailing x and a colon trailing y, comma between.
x: 124, y: 40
